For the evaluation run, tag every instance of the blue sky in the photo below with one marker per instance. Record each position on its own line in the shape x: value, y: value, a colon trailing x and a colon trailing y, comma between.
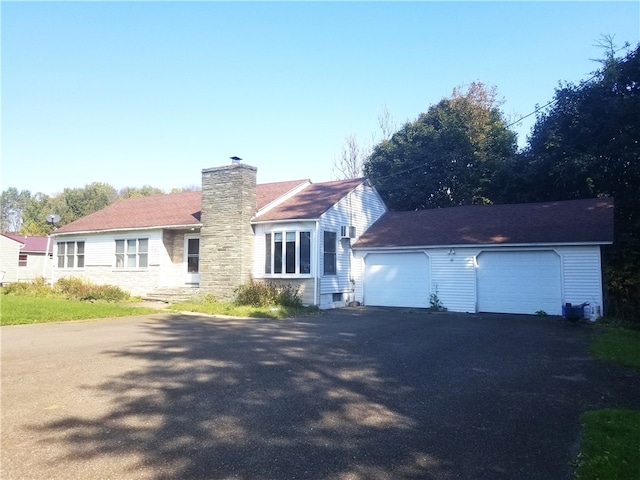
x: 135, y: 93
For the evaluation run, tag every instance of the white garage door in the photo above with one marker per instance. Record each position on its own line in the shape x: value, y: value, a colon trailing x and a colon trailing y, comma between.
x: 519, y: 282
x: 396, y: 280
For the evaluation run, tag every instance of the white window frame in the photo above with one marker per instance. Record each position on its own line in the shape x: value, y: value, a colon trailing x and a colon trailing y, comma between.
x: 269, y: 269
x: 334, y: 253
x: 66, y: 260
x: 128, y: 254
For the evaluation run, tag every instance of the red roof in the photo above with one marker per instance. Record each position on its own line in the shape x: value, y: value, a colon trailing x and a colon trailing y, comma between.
x: 183, y: 209
x: 311, y: 202
x: 30, y: 243
x: 573, y: 221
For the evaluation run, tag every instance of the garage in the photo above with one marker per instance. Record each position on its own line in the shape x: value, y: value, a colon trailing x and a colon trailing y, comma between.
x: 396, y: 280
x: 519, y: 282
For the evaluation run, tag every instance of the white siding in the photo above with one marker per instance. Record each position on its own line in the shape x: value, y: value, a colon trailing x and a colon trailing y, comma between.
x: 9, y: 251
x: 453, y: 278
x: 582, y: 279
x: 36, y: 267
x: 100, y: 262
x: 361, y: 208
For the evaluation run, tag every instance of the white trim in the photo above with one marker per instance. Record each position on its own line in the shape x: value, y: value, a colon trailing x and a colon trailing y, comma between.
x: 129, y: 229
x: 485, y: 245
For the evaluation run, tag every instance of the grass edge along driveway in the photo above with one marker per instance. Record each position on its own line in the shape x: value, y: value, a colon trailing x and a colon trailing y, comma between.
x: 610, y: 448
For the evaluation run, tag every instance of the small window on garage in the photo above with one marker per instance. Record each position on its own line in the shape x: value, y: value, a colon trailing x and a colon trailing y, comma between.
x: 337, y: 297
x: 22, y: 260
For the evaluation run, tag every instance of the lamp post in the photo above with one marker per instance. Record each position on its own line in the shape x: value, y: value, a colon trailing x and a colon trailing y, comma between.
x: 52, y: 219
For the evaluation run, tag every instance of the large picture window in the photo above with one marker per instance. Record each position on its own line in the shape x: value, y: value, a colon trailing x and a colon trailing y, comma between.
x: 287, y: 253
x: 70, y: 254
x: 330, y: 253
x: 132, y: 253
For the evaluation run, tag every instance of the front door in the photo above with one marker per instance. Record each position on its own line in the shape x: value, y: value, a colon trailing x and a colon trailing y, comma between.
x: 192, y: 259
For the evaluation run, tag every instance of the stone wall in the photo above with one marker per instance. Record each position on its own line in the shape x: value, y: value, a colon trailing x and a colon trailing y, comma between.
x: 226, y: 236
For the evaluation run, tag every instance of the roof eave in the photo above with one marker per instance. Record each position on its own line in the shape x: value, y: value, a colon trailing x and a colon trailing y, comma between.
x: 484, y: 245
x: 129, y: 229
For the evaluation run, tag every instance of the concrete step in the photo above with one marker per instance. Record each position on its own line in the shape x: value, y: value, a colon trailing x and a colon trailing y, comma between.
x: 172, y: 294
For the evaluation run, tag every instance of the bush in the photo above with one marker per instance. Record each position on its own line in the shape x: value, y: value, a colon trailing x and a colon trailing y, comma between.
x: 79, y: 289
x: 263, y: 294
x: 38, y: 286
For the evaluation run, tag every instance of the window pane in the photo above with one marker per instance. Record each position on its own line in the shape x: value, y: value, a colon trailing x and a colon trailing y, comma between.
x: 305, y: 252
x: 329, y: 253
x: 192, y: 264
x: 277, y: 253
x: 143, y: 262
x: 119, y: 260
x: 193, y: 246
x: 70, y: 261
x: 80, y: 248
x: 70, y: 248
x: 61, y: 250
x: 143, y: 245
x: 267, y: 253
x: 80, y: 261
x: 131, y: 246
x: 119, y: 246
x: 291, y: 252
x: 131, y: 261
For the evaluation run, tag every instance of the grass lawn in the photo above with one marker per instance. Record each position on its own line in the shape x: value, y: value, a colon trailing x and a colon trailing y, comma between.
x: 231, y: 309
x: 20, y: 309
x: 610, y: 447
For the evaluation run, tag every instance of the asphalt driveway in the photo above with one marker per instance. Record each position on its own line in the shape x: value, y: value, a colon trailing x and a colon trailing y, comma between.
x: 351, y: 394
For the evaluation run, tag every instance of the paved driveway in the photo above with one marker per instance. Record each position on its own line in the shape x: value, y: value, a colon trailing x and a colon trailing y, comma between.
x: 352, y: 394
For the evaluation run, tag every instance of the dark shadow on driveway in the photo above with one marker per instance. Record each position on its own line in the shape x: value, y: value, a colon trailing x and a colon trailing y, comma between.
x: 351, y: 394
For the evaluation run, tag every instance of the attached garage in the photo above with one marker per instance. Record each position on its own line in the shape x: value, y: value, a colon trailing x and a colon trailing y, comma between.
x: 519, y: 282
x: 521, y: 258
x: 396, y: 279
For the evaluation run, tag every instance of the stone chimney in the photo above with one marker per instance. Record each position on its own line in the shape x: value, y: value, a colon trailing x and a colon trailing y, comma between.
x: 226, y: 236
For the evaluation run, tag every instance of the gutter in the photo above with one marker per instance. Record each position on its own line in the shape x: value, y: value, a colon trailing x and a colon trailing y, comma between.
x: 129, y: 229
x: 485, y: 245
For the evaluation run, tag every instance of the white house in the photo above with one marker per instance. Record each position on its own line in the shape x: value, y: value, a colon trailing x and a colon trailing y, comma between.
x: 338, y: 243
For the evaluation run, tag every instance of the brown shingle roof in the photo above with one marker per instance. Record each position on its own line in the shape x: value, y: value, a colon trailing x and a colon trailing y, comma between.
x: 574, y: 221
x: 154, y: 211
x: 311, y: 202
x: 183, y: 209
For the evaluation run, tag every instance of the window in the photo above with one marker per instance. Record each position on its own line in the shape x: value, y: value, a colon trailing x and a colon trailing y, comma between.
x: 22, y: 260
x: 70, y: 254
x: 132, y: 253
x: 287, y: 253
x: 329, y: 253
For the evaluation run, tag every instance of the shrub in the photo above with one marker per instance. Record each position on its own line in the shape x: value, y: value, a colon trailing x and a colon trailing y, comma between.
x: 79, y: 289
x: 262, y: 294
x: 38, y: 286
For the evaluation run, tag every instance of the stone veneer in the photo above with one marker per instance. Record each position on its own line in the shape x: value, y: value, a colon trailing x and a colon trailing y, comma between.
x: 226, y: 236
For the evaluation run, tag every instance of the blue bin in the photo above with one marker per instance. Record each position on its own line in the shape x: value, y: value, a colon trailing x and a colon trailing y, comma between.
x: 573, y: 312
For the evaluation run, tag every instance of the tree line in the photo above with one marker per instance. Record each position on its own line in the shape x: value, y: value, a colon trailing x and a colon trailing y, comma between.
x: 25, y: 213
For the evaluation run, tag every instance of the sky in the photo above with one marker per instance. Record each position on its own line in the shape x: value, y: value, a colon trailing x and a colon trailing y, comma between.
x: 150, y: 93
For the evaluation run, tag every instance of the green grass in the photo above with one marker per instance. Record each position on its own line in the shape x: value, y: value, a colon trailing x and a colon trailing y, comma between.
x: 21, y: 309
x: 231, y: 309
x: 618, y: 346
x: 610, y: 446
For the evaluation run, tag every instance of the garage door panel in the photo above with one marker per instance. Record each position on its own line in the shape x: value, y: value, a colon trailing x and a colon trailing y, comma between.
x: 519, y: 282
x: 396, y: 280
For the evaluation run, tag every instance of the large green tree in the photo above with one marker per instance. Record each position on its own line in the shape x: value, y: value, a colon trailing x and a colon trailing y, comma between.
x: 588, y: 144
x: 448, y: 156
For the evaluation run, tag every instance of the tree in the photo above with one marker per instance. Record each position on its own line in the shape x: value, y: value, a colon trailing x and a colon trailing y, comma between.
x: 447, y: 156
x: 13, y: 204
x: 587, y: 145
x: 351, y: 160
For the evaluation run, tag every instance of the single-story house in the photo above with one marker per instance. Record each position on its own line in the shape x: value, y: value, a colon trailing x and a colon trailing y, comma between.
x: 337, y: 242
x: 34, y: 257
